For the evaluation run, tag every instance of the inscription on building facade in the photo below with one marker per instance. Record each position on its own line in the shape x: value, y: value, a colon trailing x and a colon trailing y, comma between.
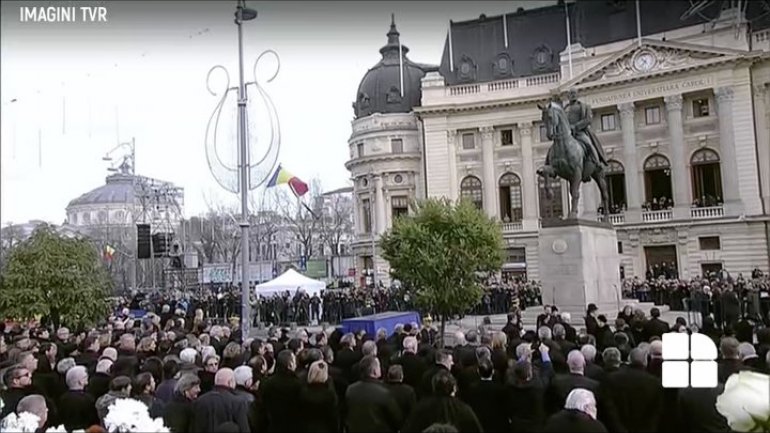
x: 652, y: 91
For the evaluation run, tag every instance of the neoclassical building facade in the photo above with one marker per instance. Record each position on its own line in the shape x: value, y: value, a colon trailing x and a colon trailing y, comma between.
x: 683, y: 113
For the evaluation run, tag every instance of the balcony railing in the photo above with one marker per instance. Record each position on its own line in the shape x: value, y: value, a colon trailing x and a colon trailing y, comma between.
x: 503, y: 85
x: 698, y: 213
x: 653, y: 216
x: 512, y: 227
x: 615, y: 219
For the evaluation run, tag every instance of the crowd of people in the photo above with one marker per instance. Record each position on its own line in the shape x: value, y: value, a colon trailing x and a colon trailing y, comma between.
x: 198, y: 376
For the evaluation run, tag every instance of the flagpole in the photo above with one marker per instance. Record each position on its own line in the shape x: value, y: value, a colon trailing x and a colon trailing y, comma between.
x: 638, y: 25
x: 569, y: 39
x: 451, y: 52
x: 505, y: 31
x: 401, y: 66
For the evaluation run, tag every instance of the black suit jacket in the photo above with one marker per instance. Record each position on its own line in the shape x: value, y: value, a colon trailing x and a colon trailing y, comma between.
x: 637, y: 397
x: 487, y: 398
x: 569, y: 420
x: 414, y: 367
x: 280, y: 393
x: 443, y: 410
x: 371, y: 408
x: 319, y: 408
x: 405, y: 397
x: 218, y: 406
x: 655, y: 328
x: 346, y: 359
x: 77, y: 410
x: 178, y: 414
x: 526, y: 406
x: 697, y: 410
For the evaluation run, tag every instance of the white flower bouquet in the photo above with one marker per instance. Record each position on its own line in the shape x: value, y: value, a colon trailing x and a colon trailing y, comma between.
x: 745, y: 402
x: 24, y: 422
x: 127, y: 415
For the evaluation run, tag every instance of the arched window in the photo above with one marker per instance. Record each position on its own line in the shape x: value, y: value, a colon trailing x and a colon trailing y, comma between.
x: 119, y: 217
x: 470, y: 188
x: 510, y: 198
x: 550, y: 209
x: 616, y: 185
x: 706, y: 178
x: 657, y: 183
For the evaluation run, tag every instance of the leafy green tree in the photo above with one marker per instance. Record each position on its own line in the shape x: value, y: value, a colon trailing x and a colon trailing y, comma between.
x: 439, y: 252
x: 53, y: 276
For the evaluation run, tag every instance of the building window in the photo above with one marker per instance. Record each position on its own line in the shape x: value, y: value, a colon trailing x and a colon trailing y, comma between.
x: 397, y: 145
x: 554, y: 208
x: 86, y: 218
x: 469, y: 141
x: 616, y: 186
x: 657, y: 183
x: 399, y: 206
x: 366, y: 214
x: 652, y: 115
x: 620, y: 247
x: 516, y: 255
x: 709, y: 243
x: 706, y: 178
x: 470, y: 189
x: 608, y: 122
x: 120, y: 217
x: 506, y: 137
x: 543, y: 133
x: 700, y: 107
x: 510, y: 198
x: 360, y: 147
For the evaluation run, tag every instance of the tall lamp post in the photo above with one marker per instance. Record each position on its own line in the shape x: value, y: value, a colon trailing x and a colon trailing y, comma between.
x: 128, y: 168
x: 243, y: 14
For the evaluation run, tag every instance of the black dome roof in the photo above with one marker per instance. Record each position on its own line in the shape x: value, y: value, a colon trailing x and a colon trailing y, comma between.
x: 380, y: 89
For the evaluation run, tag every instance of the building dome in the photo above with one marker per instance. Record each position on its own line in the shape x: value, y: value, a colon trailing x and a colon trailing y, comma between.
x: 118, y: 189
x: 380, y: 89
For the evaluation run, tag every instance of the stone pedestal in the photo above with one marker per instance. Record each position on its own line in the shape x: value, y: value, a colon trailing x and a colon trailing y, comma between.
x: 579, y: 265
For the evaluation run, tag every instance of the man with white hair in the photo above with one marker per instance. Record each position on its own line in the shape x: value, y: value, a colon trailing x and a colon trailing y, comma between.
x: 99, y: 383
x: 414, y: 366
x: 570, y: 331
x: 244, y: 381
x: 638, y: 410
x: 220, y: 405
x: 36, y: 405
x: 77, y: 408
x: 591, y: 369
x: 579, y: 414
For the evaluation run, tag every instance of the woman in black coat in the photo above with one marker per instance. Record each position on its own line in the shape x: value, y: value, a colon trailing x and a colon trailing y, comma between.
x: 178, y: 413
x: 318, y: 402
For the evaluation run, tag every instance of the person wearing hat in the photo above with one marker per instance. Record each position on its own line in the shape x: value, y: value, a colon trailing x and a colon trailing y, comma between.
x: 428, y: 333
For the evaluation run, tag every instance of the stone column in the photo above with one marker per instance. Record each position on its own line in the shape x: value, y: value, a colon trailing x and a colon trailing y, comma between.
x: 529, y: 182
x: 488, y: 170
x: 454, y: 183
x: 679, y: 165
x: 762, y: 122
x: 731, y: 191
x: 634, y: 191
x: 379, y: 203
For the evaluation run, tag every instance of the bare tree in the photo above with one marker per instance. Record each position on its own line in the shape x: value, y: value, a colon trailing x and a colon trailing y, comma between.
x: 302, y: 223
x: 265, y: 224
x: 216, y: 235
x: 336, y: 222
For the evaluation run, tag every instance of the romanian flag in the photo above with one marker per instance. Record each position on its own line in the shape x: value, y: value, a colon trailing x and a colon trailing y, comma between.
x: 281, y: 176
x: 108, y: 252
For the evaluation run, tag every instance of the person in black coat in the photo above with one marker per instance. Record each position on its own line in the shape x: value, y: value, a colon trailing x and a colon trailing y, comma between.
x: 77, y: 408
x: 697, y: 412
x: 443, y: 408
x: 655, y: 327
x: 578, y: 415
x: 487, y: 399
x: 19, y: 382
x: 637, y: 395
x: 370, y: 406
x: 444, y: 362
x: 347, y: 356
x: 99, y: 383
x: 404, y: 394
x: 414, y: 366
x: 179, y: 411
x: 525, y: 397
x: 280, y: 393
x: 590, y: 319
x: 220, y: 405
x: 318, y: 402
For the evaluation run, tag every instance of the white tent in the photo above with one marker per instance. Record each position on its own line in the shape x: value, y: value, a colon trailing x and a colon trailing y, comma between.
x: 292, y: 281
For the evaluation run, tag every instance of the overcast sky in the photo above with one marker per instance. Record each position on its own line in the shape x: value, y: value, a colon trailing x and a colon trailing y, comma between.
x: 148, y: 64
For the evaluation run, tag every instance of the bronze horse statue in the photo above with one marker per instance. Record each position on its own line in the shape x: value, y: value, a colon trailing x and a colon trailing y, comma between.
x: 567, y: 159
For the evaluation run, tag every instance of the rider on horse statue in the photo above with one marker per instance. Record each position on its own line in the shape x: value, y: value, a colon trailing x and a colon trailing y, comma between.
x: 580, y: 115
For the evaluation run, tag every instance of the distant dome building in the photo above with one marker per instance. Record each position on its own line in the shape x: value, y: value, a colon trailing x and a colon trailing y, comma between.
x: 385, y: 150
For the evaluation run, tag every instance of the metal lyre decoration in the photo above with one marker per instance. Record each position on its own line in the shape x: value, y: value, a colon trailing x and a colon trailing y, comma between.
x: 245, y: 176
x: 226, y: 172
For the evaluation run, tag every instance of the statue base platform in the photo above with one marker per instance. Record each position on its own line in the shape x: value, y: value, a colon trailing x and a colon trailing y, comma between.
x: 579, y: 265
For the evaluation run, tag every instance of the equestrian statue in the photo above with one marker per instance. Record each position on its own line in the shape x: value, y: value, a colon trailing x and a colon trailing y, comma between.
x: 576, y: 154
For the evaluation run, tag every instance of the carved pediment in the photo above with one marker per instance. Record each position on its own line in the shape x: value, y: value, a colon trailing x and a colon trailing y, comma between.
x: 653, y: 57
